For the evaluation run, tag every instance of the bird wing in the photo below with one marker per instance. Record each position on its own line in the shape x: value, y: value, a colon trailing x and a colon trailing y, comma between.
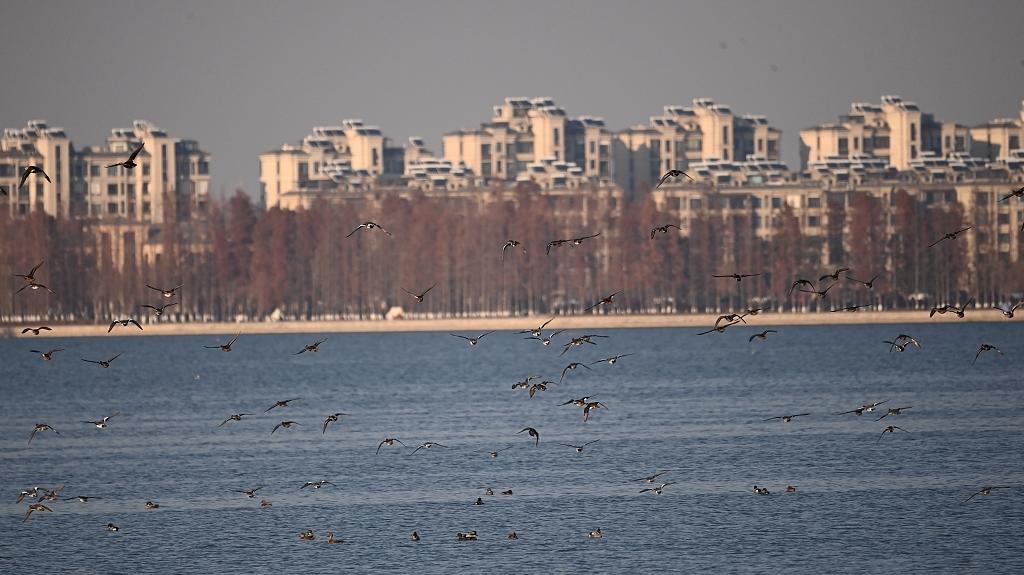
x: 481, y: 336
x: 663, y: 178
x: 426, y: 291
x: 233, y: 340
x: 24, y: 176
x: 653, y: 232
x: 135, y: 323
x: 136, y: 152
x: 359, y: 227
x: 933, y: 244
x: 587, y: 237
x: 462, y: 336
x: 776, y: 417
x: 113, y: 358
x: 379, y: 445
x: 154, y: 288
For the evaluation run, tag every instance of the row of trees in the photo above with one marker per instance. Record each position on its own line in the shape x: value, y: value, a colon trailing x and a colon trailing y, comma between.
x: 238, y: 261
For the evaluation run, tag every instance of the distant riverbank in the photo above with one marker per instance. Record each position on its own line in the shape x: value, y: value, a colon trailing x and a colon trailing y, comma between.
x: 470, y: 325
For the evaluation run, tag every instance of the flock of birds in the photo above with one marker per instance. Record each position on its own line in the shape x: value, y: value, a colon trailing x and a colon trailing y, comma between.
x: 532, y: 384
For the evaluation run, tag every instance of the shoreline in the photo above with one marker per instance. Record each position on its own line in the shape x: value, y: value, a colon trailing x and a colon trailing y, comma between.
x: 575, y: 322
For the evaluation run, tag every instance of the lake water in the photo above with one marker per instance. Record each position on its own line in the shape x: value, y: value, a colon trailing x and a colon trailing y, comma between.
x: 691, y: 405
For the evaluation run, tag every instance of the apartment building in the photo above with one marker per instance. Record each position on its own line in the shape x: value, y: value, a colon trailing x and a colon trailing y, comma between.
x: 896, y: 131
x: 682, y: 135
x: 1000, y: 140
x: 172, y: 175
x: 351, y: 156
x: 525, y: 131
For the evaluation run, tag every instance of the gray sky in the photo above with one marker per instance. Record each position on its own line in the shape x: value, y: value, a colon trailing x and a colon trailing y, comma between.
x: 245, y: 76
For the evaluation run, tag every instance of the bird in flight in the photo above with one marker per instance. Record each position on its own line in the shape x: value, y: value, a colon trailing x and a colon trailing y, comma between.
x: 130, y: 162
x: 494, y: 454
x: 578, y: 341
x: 389, y: 441
x: 31, y: 275
x: 950, y: 236
x: 36, y: 429
x: 167, y: 293
x: 867, y: 407
x: 523, y: 384
x: 536, y: 332
x: 985, y: 347
x: 32, y: 170
x: 590, y: 406
x: 819, y: 293
x: 800, y: 282
x: 656, y: 490
x: 103, y: 363
x: 903, y: 341
x: 578, y: 402
x: 546, y: 340
x: 987, y: 490
x: 368, y: 226
x: 472, y: 340
x: 316, y: 484
x: 284, y: 424
x: 572, y: 367
x: 332, y: 418
x: 36, y: 330
x: 542, y: 386
x: 960, y: 311
x: 226, y: 347
x: 852, y: 308
x: 510, y: 244
x: 673, y: 174
x: 730, y: 317
x: 33, y: 508
x: 282, y: 403
x: 761, y: 336
x: 419, y: 297
x: 234, y: 417
x: 893, y: 411
x: 102, y: 423
x: 611, y: 360
x: 572, y: 241
x: 719, y: 328
x: 663, y: 229
x: 737, y: 276
x: 1018, y: 193
x: 787, y: 418
x: 123, y: 323
x: 532, y: 433
x: 428, y: 445
x: 250, y: 493
x: 34, y: 286
x: 311, y: 348
x: 47, y: 355
x: 1006, y: 311
x: 890, y: 429
x: 579, y: 448
x: 834, y: 276
x: 868, y: 284
x: 159, y: 310
x: 604, y: 301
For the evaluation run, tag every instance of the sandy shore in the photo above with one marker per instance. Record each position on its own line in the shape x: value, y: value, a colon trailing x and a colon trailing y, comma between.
x: 478, y: 325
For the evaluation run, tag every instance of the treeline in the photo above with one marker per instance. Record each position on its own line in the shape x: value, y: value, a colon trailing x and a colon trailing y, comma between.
x: 237, y: 261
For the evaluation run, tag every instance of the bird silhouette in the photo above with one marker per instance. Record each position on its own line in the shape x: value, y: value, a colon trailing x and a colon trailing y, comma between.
x: 130, y: 162
x: 673, y: 174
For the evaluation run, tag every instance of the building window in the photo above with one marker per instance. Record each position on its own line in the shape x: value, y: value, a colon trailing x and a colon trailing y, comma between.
x: 773, y: 146
x: 303, y: 173
x: 94, y: 171
x: 555, y: 134
x: 668, y: 146
x: 776, y: 203
x: 593, y: 147
x: 913, y: 152
x: 145, y: 207
x: 694, y: 145
x: 813, y: 221
x: 844, y: 147
x: 145, y: 188
x: 881, y: 142
x: 131, y: 190
x: 111, y: 189
x: 695, y: 204
x: 725, y: 135
x: 497, y: 147
x: 814, y: 202
x: 204, y: 167
x: 1014, y: 143
x: 112, y: 208
x: 959, y: 143
x: 856, y: 144
x: 498, y: 165
x: 376, y: 157
x: 725, y: 155
x: 1004, y: 218
x: 760, y: 145
x: 145, y: 169
x: 947, y: 141
x: 913, y: 132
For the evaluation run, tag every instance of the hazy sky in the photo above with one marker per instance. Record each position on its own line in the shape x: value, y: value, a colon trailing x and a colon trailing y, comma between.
x: 246, y: 76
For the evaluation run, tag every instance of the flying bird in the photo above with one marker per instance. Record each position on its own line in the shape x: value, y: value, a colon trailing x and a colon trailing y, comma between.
x: 282, y: 403
x: 316, y: 484
x: 32, y: 170
x: 673, y: 174
x: 332, y: 418
x: 1018, y: 193
x: 950, y: 236
x: 368, y: 226
x: 987, y: 490
x: 47, y: 355
x: 123, y: 323
x: 31, y: 275
x: 546, y: 340
x: 33, y: 508
x: 284, y: 424
x: 663, y: 229
x: 167, y: 293
x: 719, y: 328
x: 36, y: 429
x: 102, y: 423
x: 834, y: 276
x: 819, y: 293
x: 234, y: 417
x: 800, y: 282
x: 311, y: 348
x: 851, y: 308
x: 104, y: 363
x: 159, y: 310
x: 737, y: 276
x: 572, y: 241
x: 428, y: 445
x: 510, y: 244
x: 1006, y: 311
x: 532, y: 433
x: 787, y: 418
x: 761, y: 336
x: 226, y: 347
x: 890, y: 429
x: 651, y: 478
x: 590, y: 406
x: 868, y: 284
x: 130, y: 162
x: 419, y: 297
x: 579, y: 448
x: 985, y: 347
x: 656, y: 490
x: 893, y: 411
x: 36, y: 330
x: 494, y: 454
x: 730, y: 317
x: 903, y: 341
x: 572, y: 367
x: 867, y: 407
x: 612, y: 360
x: 536, y: 332
x: 389, y: 441
x: 542, y: 386
x: 604, y: 301
x: 34, y: 286
x: 472, y: 340
x: 250, y: 493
